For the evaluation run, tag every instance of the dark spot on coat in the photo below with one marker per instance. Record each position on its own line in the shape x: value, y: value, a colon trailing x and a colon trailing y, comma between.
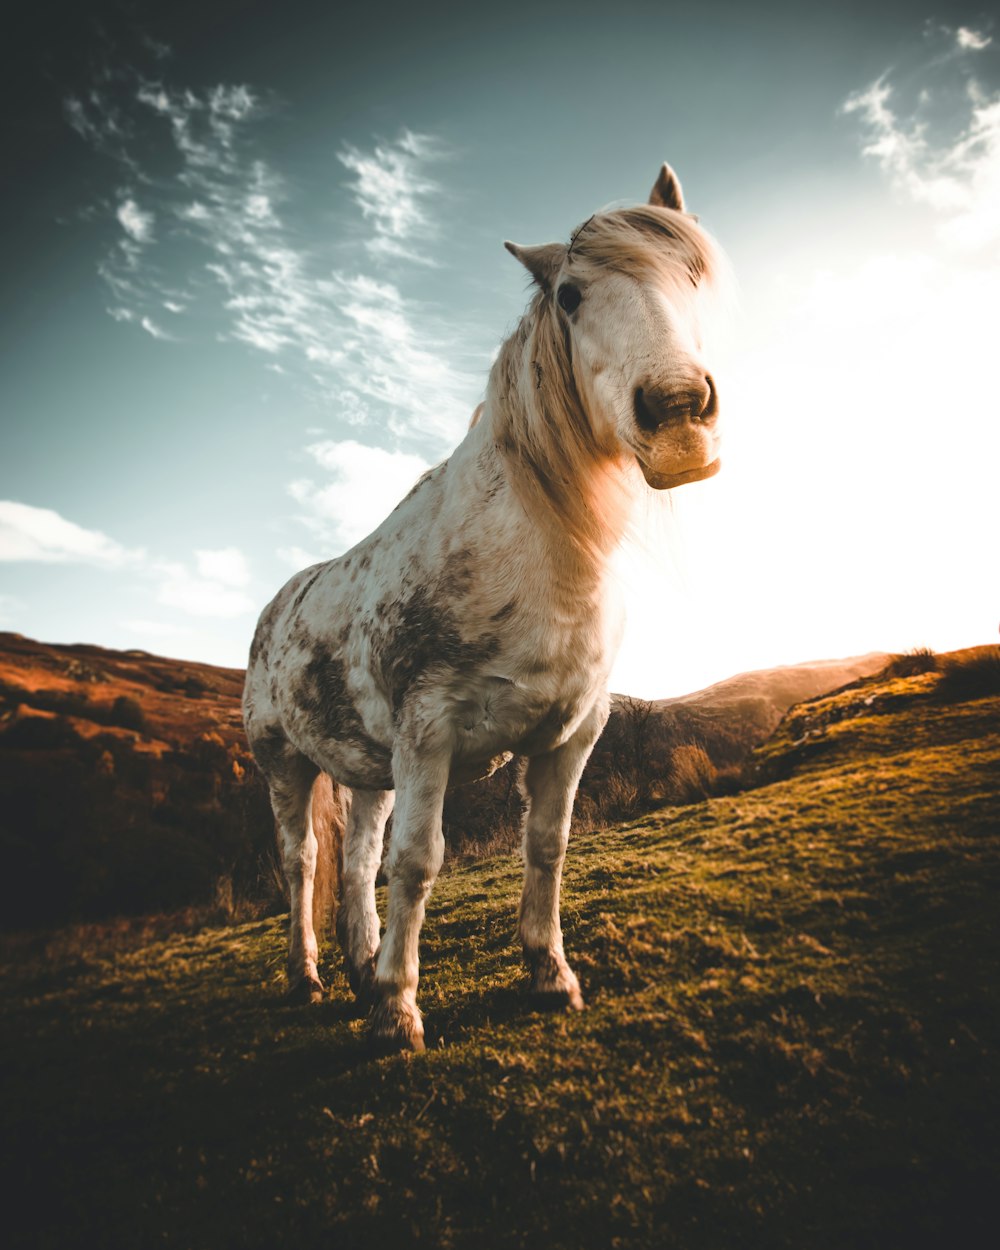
x: 457, y: 575
x: 271, y: 749
x: 305, y: 588
x: 416, y: 637
x: 263, y: 635
x: 323, y: 694
x: 505, y: 611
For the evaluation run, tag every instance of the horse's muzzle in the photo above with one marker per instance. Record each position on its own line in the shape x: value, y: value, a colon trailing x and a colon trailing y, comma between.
x: 678, y: 441
x: 656, y: 408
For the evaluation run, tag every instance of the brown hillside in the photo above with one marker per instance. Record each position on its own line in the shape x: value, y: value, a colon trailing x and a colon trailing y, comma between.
x: 125, y: 785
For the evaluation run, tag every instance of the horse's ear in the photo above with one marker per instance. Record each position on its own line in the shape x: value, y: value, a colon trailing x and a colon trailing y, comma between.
x: 666, y: 192
x: 542, y: 262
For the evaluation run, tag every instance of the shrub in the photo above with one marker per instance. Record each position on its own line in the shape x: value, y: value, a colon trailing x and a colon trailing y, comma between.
x: 911, y: 663
x: 692, y: 774
x: 970, y: 674
x: 127, y: 713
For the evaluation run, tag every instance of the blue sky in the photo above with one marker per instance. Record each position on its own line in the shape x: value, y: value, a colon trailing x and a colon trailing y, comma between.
x: 254, y: 281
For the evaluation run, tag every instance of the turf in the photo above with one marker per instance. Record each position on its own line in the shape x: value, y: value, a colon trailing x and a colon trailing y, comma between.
x: 791, y: 1037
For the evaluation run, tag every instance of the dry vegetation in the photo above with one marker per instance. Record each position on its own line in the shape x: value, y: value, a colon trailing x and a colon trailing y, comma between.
x: 792, y: 1035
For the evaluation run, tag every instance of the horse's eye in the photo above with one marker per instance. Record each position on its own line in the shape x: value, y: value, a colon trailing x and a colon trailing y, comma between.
x: 569, y: 297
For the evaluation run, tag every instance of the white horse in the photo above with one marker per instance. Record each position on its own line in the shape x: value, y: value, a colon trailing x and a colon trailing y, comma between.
x: 481, y: 617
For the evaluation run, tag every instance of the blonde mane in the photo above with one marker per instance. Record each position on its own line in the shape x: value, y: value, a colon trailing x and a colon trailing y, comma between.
x: 538, y: 420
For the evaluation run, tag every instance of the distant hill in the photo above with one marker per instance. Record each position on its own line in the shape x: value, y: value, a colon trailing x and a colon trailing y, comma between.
x: 791, y: 1040
x: 664, y: 750
x: 126, y: 785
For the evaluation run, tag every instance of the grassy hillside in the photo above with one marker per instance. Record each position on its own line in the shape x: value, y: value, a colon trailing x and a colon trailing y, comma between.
x: 791, y: 1037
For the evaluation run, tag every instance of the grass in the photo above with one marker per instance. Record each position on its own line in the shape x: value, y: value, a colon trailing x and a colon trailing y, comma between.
x: 791, y: 1037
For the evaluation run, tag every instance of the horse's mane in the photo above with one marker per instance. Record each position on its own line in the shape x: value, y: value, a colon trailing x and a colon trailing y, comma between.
x: 556, y: 463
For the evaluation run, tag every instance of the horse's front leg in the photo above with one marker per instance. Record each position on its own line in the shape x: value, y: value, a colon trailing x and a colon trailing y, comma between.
x: 416, y: 852
x: 549, y: 785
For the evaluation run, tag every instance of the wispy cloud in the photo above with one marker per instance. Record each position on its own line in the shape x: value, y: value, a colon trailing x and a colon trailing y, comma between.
x: 393, y: 192
x: 226, y: 230
x: 41, y: 534
x: 137, y: 224
x: 151, y: 328
x: 944, y: 149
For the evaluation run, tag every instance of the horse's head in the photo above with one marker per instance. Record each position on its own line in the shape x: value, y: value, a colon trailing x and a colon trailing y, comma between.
x: 624, y: 294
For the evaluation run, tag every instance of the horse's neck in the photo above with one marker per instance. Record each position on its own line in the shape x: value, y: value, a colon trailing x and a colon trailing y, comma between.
x: 551, y: 553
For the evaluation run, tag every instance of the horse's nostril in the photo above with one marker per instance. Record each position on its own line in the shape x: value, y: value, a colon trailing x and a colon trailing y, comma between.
x: 710, y: 408
x: 655, y: 409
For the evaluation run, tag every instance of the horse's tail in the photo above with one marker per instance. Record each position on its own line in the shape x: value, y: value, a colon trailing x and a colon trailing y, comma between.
x: 330, y: 804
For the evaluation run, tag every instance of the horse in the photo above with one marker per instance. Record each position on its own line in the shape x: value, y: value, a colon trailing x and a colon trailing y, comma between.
x: 481, y: 618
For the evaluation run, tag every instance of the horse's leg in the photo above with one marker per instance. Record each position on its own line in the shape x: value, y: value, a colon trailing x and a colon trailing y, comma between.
x: 549, y: 785
x: 357, y: 917
x: 290, y: 776
x: 416, y: 852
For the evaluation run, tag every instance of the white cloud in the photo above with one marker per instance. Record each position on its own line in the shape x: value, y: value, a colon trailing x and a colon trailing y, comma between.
x: 972, y: 39
x: 227, y: 565
x: 157, y: 332
x: 200, y: 595
x: 41, y: 534
x: 136, y: 222
x: 356, y: 345
x: 958, y: 177
x: 367, y: 483
x: 297, y: 557
x: 391, y: 189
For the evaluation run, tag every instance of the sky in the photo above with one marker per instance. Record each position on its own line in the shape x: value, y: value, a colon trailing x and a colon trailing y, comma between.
x: 254, y: 281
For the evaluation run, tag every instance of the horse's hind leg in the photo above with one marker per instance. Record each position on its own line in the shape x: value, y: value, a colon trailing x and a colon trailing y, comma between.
x: 290, y: 776
x: 550, y: 783
x: 357, y: 917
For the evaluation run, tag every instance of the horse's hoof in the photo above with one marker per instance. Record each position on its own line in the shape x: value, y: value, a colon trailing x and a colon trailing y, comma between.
x: 557, y: 1000
x: 305, y: 991
x: 394, y: 1027
x: 554, y: 986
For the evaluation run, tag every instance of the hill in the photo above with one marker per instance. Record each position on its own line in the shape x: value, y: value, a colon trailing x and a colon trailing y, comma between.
x: 791, y: 1040
x: 126, y: 785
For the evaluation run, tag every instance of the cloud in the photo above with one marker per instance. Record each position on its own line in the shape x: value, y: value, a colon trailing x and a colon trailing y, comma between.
x: 940, y: 153
x: 200, y: 595
x: 136, y: 223
x: 297, y: 557
x: 41, y: 534
x: 230, y: 236
x: 157, y: 332
x: 366, y: 484
x: 391, y: 189
x: 227, y: 565
x: 972, y: 39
